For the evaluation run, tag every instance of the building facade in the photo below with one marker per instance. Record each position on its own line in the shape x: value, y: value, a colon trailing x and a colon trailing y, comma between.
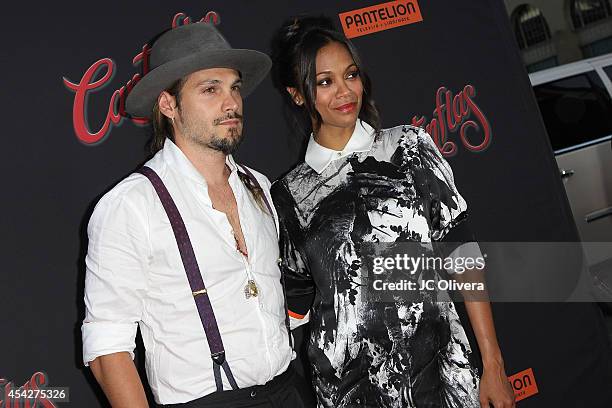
x: 556, y: 32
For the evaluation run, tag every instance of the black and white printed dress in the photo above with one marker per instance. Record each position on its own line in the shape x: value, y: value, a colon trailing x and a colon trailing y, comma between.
x: 373, y: 354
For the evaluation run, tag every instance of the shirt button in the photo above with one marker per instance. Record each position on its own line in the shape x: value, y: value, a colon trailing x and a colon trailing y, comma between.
x: 339, y: 154
x: 253, y: 394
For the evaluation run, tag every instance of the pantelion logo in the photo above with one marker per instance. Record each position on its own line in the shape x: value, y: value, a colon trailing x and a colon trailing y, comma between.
x: 380, y: 17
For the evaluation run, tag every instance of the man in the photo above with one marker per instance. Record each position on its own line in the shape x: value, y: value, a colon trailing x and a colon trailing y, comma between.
x: 211, y: 309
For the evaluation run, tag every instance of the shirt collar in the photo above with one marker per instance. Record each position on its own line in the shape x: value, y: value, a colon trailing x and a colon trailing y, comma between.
x: 174, y: 156
x: 319, y: 157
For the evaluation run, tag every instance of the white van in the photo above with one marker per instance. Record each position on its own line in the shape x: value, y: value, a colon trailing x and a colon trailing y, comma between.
x: 575, y: 101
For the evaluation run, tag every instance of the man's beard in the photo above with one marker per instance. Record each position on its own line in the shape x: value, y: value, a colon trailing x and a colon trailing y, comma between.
x: 226, y: 145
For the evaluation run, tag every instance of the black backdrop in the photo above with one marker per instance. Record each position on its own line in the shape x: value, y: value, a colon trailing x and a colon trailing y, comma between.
x: 52, y: 179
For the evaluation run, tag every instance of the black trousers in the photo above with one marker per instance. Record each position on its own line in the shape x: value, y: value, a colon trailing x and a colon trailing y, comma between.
x: 287, y: 390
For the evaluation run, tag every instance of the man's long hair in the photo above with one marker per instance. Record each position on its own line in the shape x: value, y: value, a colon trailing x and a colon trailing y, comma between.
x: 162, y: 126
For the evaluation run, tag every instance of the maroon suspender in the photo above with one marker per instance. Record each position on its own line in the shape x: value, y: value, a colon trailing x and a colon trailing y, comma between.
x: 200, y: 295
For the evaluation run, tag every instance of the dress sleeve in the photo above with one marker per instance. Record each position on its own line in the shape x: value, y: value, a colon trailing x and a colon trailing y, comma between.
x: 446, y: 208
x: 299, y: 285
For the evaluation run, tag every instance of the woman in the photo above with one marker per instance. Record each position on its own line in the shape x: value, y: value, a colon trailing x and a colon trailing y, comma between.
x: 360, y: 184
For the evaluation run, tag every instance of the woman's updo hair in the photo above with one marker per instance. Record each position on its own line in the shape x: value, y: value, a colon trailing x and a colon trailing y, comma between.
x: 294, y: 52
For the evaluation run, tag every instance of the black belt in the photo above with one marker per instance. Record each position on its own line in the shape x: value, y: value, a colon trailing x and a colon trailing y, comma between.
x: 241, y: 394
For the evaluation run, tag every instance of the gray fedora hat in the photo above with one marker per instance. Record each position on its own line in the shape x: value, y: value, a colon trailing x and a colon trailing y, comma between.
x: 189, y: 48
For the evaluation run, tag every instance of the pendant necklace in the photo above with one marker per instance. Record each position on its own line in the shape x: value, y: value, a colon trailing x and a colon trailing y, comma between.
x: 250, y: 289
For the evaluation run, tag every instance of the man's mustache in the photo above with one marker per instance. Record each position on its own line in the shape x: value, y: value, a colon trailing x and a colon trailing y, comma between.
x: 229, y: 116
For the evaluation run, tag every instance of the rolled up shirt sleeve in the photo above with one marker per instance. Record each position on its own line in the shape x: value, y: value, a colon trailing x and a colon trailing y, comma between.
x: 115, y: 279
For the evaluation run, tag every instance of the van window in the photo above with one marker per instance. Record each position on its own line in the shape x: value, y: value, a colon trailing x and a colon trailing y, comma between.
x: 608, y: 71
x: 576, y: 110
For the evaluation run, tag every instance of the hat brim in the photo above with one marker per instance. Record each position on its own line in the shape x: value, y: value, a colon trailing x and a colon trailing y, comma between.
x: 252, y: 65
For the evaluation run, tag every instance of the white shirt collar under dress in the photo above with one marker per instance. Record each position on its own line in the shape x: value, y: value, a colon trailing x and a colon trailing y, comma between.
x: 319, y: 157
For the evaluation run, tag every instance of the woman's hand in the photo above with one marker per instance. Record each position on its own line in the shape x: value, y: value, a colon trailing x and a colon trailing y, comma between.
x: 494, y: 385
x: 495, y: 388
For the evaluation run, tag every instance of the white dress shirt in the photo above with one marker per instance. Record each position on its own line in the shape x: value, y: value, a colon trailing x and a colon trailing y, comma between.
x: 135, y: 278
